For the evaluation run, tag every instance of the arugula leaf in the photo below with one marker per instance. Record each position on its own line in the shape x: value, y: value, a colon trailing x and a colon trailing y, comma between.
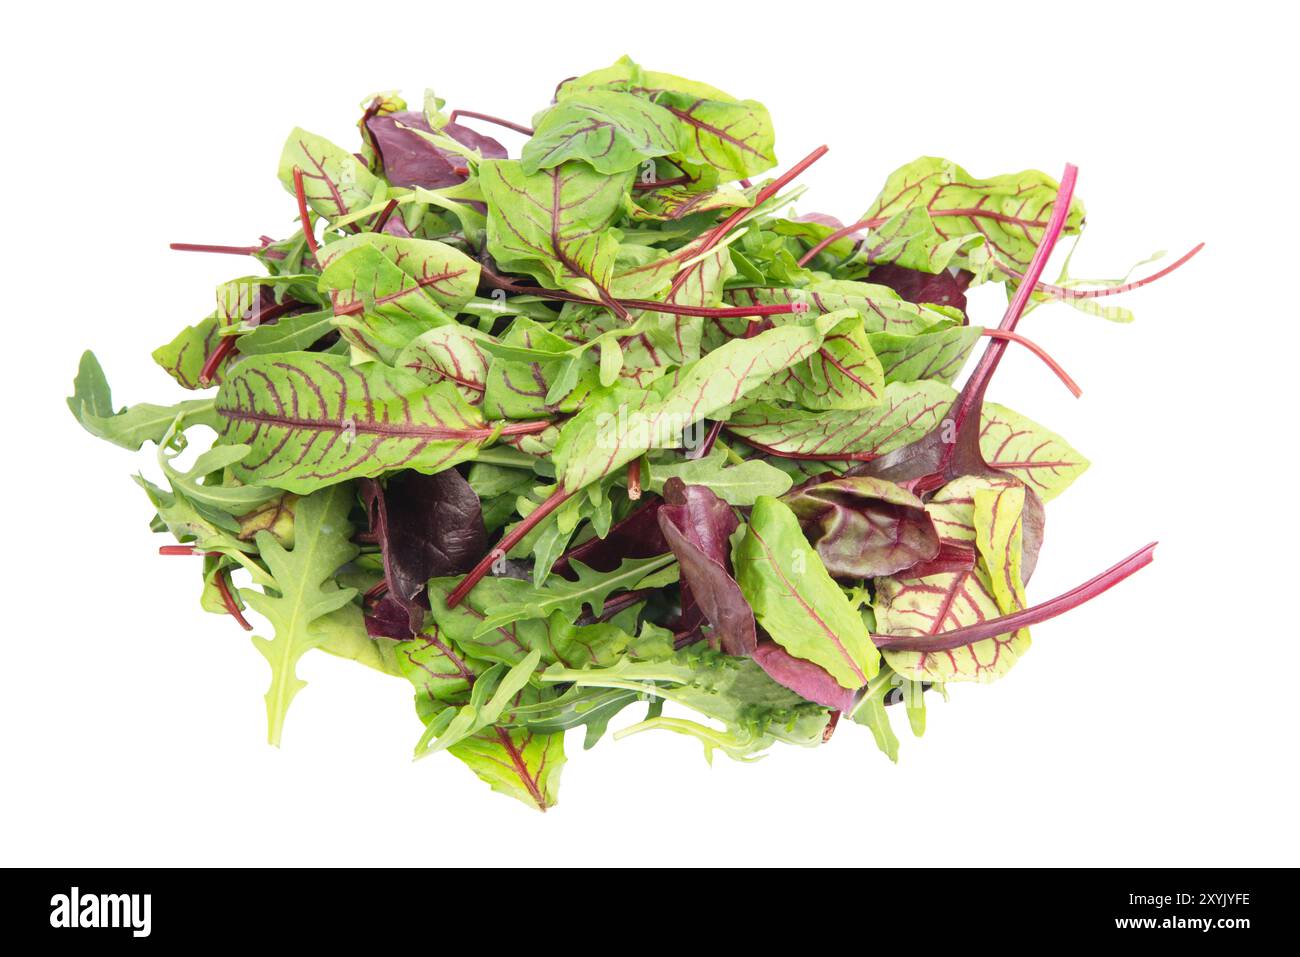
x: 91, y: 403
x: 304, y: 592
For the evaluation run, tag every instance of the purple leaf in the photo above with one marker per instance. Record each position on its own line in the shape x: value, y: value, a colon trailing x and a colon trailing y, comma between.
x: 411, y: 160
x: 636, y: 536
x: 388, y: 618
x: 698, y: 527
x: 942, y: 288
x: 952, y: 558
x: 864, y: 527
x: 803, y: 677
x: 427, y: 526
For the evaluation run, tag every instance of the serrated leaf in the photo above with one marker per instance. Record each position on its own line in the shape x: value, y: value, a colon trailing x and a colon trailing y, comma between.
x: 130, y: 427
x: 304, y: 592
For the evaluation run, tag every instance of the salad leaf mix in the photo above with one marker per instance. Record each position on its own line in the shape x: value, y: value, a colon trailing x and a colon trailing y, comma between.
x: 607, y: 427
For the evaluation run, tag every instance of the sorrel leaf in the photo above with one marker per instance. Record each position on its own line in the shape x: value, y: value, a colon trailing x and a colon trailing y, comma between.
x: 610, y: 131
x: 313, y: 420
x: 1041, y: 459
x: 796, y: 600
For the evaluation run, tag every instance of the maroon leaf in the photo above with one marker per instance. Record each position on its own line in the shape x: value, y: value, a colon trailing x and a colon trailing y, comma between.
x: 803, y: 677
x: 411, y: 160
x: 952, y: 557
x: 698, y: 527
x: 427, y: 526
x: 943, y: 288
x: 388, y: 618
x: 636, y: 536
x: 863, y: 527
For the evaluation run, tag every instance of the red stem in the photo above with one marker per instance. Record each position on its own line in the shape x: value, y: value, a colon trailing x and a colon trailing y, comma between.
x: 1060, y: 292
x: 806, y: 456
x: 376, y: 591
x: 705, y: 447
x: 972, y: 394
x: 662, y: 183
x: 647, y: 305
x: 206, y: 248
x: 301, y: 192
x: 634, y: 479
x: 488, y: 118
x: 184, y: 550
x: 956, y: 638
x: 1039, y: 351
x: 382, y: 219
x: 508, y: 541
x: 873, y: 222
x: 213, y: 362
x: 227, y: 599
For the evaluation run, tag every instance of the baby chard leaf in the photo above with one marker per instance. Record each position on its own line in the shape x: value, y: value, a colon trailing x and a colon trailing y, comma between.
x: 608, y: 434
x: 906, y: 412
x: 1041, y: 459
x: 312, y: 420
x: 613, y: 132
x: 334, y: 181
x: 796, y: 600
x: 554, y: 224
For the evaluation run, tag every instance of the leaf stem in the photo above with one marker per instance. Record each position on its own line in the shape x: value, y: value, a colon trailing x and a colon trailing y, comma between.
x: 218, y: 355
x: 489, y: 118
x: 508, y: 541
x: 957, y: 637
x: 227, y: 599
x: 1039, y: 351
x: 208, y: 248
x: 301, y: 192
x: 972, y: 394
x: 382, y: 219
x: 1062, y: 292
x: 634, y: 479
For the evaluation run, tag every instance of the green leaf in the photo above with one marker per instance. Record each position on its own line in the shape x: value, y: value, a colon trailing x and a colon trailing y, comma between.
x: 937, y: 355
x: 554, y: 224
x: 394, y: 308
x: 482, y: 712
x: 796, y: 600
x: 739, y: 485
x: 906, y: 412
x: 304, y: 592
x: 92, y: 404
x: 734, y: 137
x: 613, y: 132
x: 454, y: 353
x: 334, y: 181
x: 938, y: 603
x: 607, y: 435
x: 881, y: 309
x: 998, y: 533
x: 591, y: 589
x: 934, y: 214
x: 183, y: 358
x: 1040, y: 458
x: 843, y: 374
x: 871, y: 712
x: 287, y: 334
x: 518, y: 762
x: 313, y: 420
x: 441, y: 272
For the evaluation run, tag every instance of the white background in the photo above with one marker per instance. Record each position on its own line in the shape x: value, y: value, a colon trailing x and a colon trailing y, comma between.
x: 1153, y: 726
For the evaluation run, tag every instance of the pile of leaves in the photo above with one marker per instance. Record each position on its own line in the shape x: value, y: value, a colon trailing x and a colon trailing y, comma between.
x: 607, y: 426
